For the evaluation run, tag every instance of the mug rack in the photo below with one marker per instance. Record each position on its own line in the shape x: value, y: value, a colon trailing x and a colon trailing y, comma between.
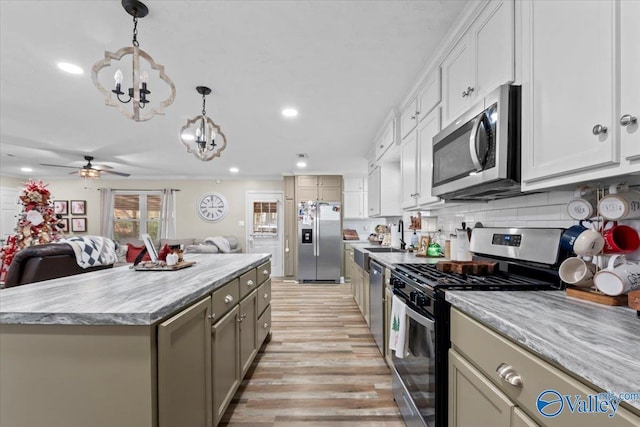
x: 593, y: 294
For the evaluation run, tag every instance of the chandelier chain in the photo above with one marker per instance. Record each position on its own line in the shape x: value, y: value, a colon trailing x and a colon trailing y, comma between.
x: 204, y: 101
x: 135, y: 31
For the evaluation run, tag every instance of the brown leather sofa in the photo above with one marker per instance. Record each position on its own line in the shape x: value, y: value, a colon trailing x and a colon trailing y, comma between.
x: 43, y: 262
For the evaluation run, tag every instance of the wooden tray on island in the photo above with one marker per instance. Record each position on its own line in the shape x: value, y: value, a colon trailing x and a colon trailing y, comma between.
x: 175, y: 267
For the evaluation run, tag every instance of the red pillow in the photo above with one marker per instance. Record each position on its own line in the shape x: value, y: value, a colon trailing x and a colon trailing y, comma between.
x: 162, y: 255
x: 134, y: 251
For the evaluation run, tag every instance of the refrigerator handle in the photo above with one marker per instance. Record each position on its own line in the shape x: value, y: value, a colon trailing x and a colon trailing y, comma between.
x: 316, y: 242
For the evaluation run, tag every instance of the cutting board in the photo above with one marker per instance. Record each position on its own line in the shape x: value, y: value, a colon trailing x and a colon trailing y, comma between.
x: 348, y: 234
x: 634, y: 300
x: 476, y: 268
x: 175, y: 267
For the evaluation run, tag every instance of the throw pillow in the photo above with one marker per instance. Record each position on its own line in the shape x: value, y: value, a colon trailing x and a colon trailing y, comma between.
x: 162, y: 255
x: 222, y: 244
x: 134, y: 251
x: 121, y: 253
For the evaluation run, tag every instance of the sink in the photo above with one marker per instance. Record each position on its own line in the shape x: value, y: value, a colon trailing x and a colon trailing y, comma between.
x: 384, y: 249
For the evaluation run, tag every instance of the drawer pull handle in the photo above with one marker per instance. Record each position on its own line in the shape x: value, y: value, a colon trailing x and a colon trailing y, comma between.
x: 509, y: 374
x: 265, y: 272
x: 250, y: 283
x: 228, y: 299
x: 266, y: 325
x: 212, y: 316
x: 266, y: 296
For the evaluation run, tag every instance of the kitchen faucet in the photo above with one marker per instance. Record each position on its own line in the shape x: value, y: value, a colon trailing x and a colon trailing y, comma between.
x: 403, y: 244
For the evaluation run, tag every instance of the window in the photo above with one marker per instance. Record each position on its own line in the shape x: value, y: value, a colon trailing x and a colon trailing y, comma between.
x: 136, y: 213
x: 265, y: 218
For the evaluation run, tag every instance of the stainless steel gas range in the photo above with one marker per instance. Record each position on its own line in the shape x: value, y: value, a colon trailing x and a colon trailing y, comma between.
x: 528, y: 259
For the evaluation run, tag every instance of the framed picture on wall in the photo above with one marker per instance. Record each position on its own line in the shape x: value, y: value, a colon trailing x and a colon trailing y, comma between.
x: 61, y: 207
x: 78, y: 207
x: 64, y: 222
x: 79, y: 225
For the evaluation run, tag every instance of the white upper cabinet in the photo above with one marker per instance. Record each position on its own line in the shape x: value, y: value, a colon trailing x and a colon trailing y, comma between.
x: 630, y: 80
x: 386, y: 137
x: 482, y: 60
x: 573, y: 103
x: 355, y: 198
x: 425, y: 101
x: 383, y: 194
x: 416, y: 165
x: 428, y: 128
x: 408, y: 171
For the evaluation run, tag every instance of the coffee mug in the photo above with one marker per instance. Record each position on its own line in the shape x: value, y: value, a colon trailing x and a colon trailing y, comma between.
x: 570, y: 235
x: 172, y: 259
x: 618, y: 279
x: 583, y: 204
x: 620, y: 205
x: 577, y: 272
x: 588, y: 243
x: 620, y: 239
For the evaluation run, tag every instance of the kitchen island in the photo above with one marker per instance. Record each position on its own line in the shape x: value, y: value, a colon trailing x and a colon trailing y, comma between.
x: 120, y: 347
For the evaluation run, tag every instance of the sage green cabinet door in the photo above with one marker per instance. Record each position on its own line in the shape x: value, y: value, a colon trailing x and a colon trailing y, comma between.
x: 248, y: 336
x: 264, y: 325
x: 473, y: 399
x: 264, y: 297
x: 520, y: 419
x: 225, y: 352
x: 184, y: 368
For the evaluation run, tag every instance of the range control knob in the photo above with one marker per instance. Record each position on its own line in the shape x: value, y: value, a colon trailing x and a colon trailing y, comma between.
x: 422, y: 301
x: 397, y: 283
x: 413, y: 295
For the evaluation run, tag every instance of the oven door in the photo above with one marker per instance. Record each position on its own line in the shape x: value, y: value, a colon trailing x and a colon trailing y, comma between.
x: 417, y: 371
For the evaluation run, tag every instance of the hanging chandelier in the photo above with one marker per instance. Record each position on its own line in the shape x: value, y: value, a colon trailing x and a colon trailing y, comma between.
x: 201, y: 135
x: 138, y: 95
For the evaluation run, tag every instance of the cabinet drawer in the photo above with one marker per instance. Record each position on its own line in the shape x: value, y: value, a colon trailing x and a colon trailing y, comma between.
x: 264, y: 296
x: 225, y: 299
x: 264, y: 272
x: 264, y: 325
x: 248, y: 282
x: 487, y: 350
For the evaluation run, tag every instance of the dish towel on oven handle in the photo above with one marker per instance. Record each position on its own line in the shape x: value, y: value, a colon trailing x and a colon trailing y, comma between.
x: 398, y: 331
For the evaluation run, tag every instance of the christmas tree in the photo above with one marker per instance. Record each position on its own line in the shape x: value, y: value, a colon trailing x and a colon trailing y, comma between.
x: 37, y: 224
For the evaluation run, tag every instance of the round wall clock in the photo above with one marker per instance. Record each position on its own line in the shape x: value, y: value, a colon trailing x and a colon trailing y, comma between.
x: 212, y: 207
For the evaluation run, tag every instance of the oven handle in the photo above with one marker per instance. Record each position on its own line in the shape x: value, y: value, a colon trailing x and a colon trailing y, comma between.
x: 472, y: 143
x: 424, y: 320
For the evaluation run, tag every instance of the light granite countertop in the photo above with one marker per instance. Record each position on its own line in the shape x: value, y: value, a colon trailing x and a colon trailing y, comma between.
x: 389, y: 259
x: 120, y: 295
x: 598, y: 343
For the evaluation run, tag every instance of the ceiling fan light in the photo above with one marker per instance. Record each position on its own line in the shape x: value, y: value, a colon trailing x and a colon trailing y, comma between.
x: 90, y: 173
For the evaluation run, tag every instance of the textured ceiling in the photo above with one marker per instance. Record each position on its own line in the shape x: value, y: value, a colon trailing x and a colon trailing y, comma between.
x: 343, y: 64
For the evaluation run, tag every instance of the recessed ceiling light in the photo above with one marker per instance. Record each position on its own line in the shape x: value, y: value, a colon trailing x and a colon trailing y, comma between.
x: 188, y: 137
x: 26, y: 169
x: 70, y: 68
x: 290, y: 112
x: 234, y: 170
x: 301, y: 164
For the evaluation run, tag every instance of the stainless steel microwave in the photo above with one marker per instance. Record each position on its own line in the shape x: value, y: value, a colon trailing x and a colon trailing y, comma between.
x: 477, y: 157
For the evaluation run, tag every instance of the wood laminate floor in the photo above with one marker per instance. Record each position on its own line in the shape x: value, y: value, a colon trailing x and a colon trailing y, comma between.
x: 320, y: 368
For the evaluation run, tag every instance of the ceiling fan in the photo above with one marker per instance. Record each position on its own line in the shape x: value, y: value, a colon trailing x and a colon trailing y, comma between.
x: 88, y: 170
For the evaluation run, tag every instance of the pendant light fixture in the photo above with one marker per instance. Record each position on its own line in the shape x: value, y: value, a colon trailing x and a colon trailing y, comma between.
x: 201, y: 135
x: 135, y: 99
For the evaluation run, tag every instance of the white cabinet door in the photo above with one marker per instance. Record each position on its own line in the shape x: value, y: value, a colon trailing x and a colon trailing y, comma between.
x: 427, y: 129
x: 630, y: 81
x: 408, y: 171
x: 353, y: 204
x: 353, y: 184
x: 429, y: 96
x: 493, y: 33
x: 568, y: 88
x: 408, y: 118
x: 374, y: 192
x: 457, y: 77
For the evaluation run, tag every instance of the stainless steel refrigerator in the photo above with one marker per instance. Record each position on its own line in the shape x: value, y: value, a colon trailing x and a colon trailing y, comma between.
x: 319, y: 241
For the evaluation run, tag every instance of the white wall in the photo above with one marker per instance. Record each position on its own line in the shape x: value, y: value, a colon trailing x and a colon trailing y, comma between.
x: 188, y: 222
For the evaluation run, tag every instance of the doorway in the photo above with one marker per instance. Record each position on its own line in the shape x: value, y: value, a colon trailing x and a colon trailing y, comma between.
x: 265, y: 226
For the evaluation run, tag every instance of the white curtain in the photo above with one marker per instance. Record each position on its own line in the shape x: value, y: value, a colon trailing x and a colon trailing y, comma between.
x: 168, y: 214
x: 106, y: 212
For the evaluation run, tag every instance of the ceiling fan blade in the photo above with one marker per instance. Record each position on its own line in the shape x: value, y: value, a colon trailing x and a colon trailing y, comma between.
x: 59, y: 166
x: 116, y: 173
x: 102, y: 167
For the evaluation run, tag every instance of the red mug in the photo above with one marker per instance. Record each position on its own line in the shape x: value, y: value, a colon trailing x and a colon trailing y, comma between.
x: 620, y: 239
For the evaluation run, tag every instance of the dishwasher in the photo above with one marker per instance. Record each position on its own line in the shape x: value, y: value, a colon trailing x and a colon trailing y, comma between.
x: 376, y: 306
